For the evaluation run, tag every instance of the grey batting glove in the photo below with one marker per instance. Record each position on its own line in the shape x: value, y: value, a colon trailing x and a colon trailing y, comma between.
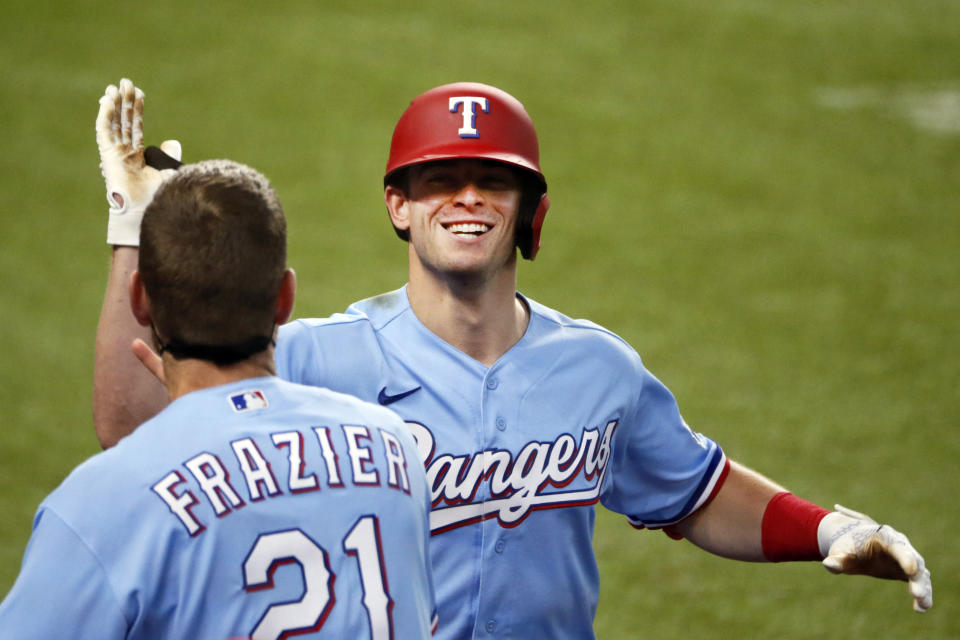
x: 854, y: 543
x: 131, y: 182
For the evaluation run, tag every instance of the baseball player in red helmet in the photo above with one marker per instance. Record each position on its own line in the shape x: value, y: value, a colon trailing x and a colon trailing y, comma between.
x: 525, y: 418
x: 509, y: 138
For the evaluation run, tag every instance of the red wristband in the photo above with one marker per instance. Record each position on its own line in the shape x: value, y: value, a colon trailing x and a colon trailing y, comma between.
x: 789, y: 530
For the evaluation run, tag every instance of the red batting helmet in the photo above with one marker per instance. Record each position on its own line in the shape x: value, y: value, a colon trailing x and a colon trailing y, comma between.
x: 472, y: 120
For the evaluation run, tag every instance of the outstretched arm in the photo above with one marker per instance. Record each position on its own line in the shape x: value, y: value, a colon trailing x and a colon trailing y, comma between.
x: 754, y: 519
x: 125, y: 393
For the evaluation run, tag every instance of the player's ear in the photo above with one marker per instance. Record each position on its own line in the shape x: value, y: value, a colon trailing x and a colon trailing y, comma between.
x: 139, y: 300
x: 397, y: 204
x: 285, y: 298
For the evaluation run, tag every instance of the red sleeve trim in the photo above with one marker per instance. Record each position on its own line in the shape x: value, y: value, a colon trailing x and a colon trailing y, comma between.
x: 669, y: 529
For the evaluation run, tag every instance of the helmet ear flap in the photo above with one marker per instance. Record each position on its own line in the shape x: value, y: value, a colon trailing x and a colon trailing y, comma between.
x: 529, y: 233
x: 538, y: 217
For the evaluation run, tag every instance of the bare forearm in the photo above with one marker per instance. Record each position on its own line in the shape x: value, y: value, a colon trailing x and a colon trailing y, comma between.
x: 125, y: 393
x: 731, y: 525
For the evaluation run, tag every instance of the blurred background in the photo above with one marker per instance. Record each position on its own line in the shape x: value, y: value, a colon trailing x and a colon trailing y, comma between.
x: 762, y: 198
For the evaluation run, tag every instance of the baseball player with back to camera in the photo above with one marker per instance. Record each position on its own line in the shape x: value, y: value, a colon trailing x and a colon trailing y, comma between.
x: 524, y: 418
x: 250, y: 506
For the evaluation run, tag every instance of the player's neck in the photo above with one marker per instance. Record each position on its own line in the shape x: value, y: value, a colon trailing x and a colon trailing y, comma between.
x: 187, y: 375
x: 483, y: 320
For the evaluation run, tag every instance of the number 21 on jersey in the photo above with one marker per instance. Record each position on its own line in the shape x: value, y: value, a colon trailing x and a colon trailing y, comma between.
x: 308, y: 614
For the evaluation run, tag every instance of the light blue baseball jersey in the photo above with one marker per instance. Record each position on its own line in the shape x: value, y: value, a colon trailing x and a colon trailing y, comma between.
x: 258, y: 509
x: 517, y: 454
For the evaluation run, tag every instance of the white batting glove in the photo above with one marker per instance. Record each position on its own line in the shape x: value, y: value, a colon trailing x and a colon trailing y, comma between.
x: 854, y: 543
x: 131, y: 182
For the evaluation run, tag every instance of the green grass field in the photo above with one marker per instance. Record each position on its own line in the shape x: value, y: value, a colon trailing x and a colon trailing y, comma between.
x: 763, y: 198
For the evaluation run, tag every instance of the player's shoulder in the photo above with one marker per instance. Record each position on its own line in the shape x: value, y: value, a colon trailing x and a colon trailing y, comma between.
x: 101, y: 484
x: 368, y: 314
x: 346, y: 351
x: 584, y: 332
x: 582, y: 345
x: 303, y: 329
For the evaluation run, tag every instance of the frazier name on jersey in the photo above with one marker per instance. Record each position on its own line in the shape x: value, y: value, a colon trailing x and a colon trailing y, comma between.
x: 369, y: 461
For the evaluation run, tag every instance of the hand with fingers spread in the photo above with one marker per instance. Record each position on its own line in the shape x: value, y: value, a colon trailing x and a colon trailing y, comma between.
x: 854, y: 543
x: 131, y: 180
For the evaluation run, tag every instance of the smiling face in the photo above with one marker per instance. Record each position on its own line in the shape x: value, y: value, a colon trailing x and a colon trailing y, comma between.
x: 461, y: 216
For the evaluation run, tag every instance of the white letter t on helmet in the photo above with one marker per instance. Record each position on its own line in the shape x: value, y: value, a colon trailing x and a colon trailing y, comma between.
x: 469, y: 130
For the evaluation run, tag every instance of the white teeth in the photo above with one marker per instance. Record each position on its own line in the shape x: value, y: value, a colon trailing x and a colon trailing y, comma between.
x: 468, y: 227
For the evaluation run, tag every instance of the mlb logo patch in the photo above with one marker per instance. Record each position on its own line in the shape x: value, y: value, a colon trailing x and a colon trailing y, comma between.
x: 248, y: 401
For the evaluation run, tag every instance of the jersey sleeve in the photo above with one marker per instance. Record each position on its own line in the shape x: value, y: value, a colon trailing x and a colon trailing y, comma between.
x: 340, y: 352
x: 662, y: 469
x: 61, y: 591
x: 298, y: 356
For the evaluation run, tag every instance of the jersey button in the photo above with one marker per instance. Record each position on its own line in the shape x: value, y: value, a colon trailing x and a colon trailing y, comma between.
x: 492, y: 383
x: 501, y: 423
x: 499, y: 546
x: 491, y: 626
